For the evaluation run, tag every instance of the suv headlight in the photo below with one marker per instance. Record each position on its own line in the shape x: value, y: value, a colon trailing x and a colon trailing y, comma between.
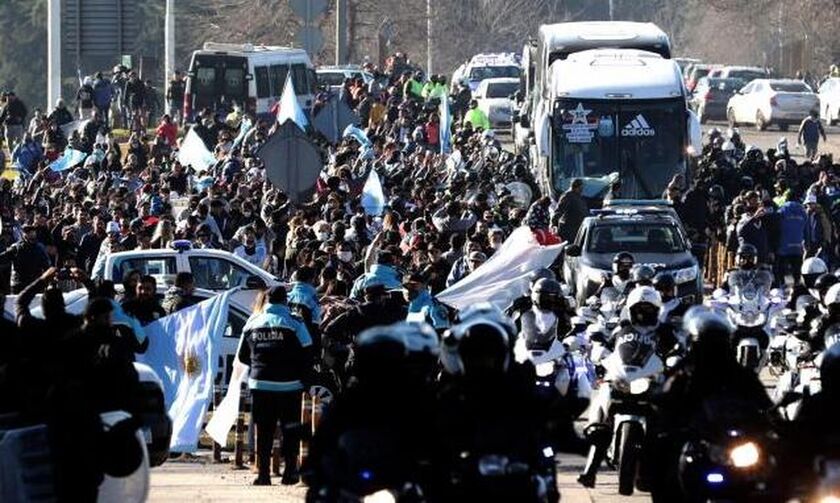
x: 687, y: 274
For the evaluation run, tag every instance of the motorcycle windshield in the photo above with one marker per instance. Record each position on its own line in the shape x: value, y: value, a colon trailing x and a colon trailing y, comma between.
x: 751, y: 283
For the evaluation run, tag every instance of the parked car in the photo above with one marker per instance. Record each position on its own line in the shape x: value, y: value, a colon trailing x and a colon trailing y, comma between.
x: 711, y: 96
x: 763, y: 102
x: 694, y: 73
x: 334, y: 76
x: 650, y: 230
x: 829, y: 94
x: 216, y: 270
x: 745, y: 73
x: 494, y: 99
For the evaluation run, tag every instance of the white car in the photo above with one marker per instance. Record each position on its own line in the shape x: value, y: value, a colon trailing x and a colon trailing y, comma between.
x: 771, y: 101
x: 829, y: 93
x: 216, y: 270
x: 494, y: 99
x: 334, y: 76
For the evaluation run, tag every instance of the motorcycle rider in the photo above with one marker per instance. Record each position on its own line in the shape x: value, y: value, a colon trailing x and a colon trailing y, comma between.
x: 747, y: 269
x: 822, y: 285
x: 547, y: 319
x: 643, y: 307
x: 622, y: 265
x: 812, y: 268
x: 673, y: 308
x: 390, y: 397
x: 826, y: 329
x: 487, y: 408
x: 523, y: 303
x: 709, y: 371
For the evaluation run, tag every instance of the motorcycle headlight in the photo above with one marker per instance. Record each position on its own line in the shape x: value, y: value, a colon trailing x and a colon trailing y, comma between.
x: 382, y: 496
x: 744, y: 455
x: 639, y: 386
x: 545, y: 369
x: 830, y: 498
x: 750, y: 318
x: 686, y: 275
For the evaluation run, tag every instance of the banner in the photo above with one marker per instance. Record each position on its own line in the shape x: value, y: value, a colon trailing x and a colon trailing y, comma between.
x: 70, y: 158
x: 288, y: 108
x: 193, y: 152
x: 226, y: 412
x: 76, y: 125
x: 445, y: 126
x: 373, y: 198
x: 505, y: 276
x: 182, y: 351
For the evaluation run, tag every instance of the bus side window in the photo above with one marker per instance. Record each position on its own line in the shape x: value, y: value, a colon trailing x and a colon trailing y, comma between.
x: 263, y: 82
x: 278, y: 78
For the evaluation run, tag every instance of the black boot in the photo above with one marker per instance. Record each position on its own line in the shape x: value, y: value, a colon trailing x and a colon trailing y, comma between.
x: 291, y: 475
x: 593, y: 463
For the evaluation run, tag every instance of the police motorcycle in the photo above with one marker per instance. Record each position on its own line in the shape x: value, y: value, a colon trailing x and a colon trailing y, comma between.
x: 750, y: 306
x: 556, y: 352
x: 621, y: 406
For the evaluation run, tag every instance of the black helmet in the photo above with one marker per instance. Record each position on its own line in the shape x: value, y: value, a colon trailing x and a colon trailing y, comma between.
x: 643, y: 275
x: 824, y: 282
x: 477, y: 345
x: 401, y: 349
x: 622, y: 264
x: 709, y: 334
x: 666, y: 285
x: 538, y: 274
x: 714, y: 133
x: 547, y: 294
x: 747, y: 256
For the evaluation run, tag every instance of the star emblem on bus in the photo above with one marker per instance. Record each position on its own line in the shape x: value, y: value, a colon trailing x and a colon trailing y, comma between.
x: 580, y: 115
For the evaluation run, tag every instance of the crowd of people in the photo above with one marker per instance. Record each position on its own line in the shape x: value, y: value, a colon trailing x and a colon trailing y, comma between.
x: 354, y: 278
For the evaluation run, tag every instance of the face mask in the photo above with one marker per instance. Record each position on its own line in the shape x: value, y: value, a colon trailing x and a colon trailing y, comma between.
x: 345, y: 256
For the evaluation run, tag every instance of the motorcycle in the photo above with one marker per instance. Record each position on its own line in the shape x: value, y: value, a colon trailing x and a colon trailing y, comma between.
x: 632, y: 371
x: 802, y: 377
x: 750, y: 307
x: 731, y: 456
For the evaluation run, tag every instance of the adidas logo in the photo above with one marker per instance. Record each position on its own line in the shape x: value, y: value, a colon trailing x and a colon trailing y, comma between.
x: 638, y: 127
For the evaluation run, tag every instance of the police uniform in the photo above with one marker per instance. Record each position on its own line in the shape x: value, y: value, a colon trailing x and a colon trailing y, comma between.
x: 278, y: 349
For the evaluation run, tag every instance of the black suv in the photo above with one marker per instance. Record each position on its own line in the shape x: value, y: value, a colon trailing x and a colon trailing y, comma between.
x: 650, y: 230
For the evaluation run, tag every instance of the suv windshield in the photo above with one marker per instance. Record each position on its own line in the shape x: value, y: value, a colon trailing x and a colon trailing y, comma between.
x: 642, y: 140
x: 790, y: 87
x: 492, y: 72
x: 651, y: 237
x: 501, y: 90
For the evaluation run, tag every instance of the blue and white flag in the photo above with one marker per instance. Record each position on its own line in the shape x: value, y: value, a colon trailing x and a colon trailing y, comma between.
x: 373, y: 198
x: 362, y: 138
x: 289, y: 107
x: 183, y: 352
x: 70, y: 158
x: 72, y: 126
x: 244, y: 127
x: 194, y: 152
x: 445, y: 126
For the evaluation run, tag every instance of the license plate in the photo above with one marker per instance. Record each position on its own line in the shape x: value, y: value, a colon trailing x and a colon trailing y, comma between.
x: 147, y: 435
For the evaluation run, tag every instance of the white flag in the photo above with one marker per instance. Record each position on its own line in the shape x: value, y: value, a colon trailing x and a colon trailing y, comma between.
x: 183, y: 352
x: 289, y: 108
x: 505, y: 276
x: 373, y: 198
x: 194, y: 152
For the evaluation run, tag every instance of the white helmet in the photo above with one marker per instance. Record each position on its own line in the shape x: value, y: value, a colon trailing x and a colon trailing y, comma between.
x: 728, y: 146
x: 812, y: 268
x: 832, y: 296
x: 644, y: 294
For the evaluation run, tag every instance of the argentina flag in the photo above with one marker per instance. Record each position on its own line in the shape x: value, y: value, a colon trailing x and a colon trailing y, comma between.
x: 445, y: 126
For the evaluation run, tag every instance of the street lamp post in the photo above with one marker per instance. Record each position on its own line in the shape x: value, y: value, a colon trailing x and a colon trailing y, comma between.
x: 169, y: 40
x: 53, y: 52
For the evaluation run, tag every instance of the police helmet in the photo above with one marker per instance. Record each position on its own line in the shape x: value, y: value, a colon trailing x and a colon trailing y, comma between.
x: 666, y: 285
x: 747, y: 256
x: 644, y: 304
x: 622, y: 264
x: 479, y: 344
x: 812, y: 268
x: 824, y: 283
x: 547, y: 294
x: 538, y: 274
x: 643, y: 275
x: 390, y: 350
x: 707, y: 330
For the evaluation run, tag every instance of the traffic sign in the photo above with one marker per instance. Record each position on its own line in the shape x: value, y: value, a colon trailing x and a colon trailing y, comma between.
x: 310, y: 38
x: 308, y: 10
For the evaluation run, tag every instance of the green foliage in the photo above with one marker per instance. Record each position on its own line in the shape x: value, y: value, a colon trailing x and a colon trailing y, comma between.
x: 23, y: 49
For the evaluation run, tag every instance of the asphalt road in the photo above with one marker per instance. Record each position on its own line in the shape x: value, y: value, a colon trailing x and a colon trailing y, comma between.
x: 770, y: 137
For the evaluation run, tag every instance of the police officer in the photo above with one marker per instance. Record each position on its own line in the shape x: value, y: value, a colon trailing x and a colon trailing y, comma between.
x: 548, y: 318
x: 826, y: 331
x: 277, y: 346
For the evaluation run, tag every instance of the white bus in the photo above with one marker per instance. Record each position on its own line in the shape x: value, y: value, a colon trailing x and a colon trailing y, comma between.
x: 221, y: 75
x: 557, y: 41
x: 614, y: 114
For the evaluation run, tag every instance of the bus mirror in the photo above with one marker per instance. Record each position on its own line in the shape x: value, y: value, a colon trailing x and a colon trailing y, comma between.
x: 695, y: 134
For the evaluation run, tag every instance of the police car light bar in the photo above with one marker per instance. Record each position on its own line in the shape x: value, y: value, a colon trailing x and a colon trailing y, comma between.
x: 638, y: 202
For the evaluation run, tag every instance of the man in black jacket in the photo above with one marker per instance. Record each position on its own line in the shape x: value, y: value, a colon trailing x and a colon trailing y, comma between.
x: 570, y: 212
x: 28, y: 258
x: 12, y: 115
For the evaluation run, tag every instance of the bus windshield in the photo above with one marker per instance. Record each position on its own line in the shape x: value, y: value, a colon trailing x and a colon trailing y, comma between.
x: 643, y: 141
x: 492, y: 72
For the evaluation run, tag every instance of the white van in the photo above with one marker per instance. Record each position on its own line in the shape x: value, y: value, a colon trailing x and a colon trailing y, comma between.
x: 221, y: 75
